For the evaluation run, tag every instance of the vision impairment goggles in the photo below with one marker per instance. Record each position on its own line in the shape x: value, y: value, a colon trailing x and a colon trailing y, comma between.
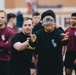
x: 47, y: 20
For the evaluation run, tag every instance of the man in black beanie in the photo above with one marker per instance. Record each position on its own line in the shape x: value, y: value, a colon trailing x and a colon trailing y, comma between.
x: 48, y: 42
x: 46, y: 13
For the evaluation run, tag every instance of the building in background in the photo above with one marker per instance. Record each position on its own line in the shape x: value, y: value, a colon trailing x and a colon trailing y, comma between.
x: 62, y: 8
x: 59, y: 6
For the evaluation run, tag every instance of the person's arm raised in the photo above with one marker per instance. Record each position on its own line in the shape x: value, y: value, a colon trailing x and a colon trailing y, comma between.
x: 21, y: 46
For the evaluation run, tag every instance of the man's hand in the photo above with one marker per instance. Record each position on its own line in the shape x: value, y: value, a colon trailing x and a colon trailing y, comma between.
x: 65, y: 36
x: 27, y: 39
x: 33, y: 37
x: 57, y: 26
x: 75, y: 61
x: 32, y: 71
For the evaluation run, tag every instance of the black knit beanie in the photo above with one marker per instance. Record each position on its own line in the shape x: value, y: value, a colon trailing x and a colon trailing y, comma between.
x: 48, y: 13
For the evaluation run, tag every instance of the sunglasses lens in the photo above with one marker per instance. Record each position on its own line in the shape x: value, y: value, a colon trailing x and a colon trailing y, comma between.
x: 47, y: 20
x: 44, y: 21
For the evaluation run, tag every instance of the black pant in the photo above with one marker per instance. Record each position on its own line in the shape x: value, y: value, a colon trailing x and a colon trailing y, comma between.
x: 3, y: 67
x: 19, y: 71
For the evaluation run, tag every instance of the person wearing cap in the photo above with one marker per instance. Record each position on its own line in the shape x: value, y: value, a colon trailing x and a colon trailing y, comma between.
x: 39, y: 26
x: 49, y: 41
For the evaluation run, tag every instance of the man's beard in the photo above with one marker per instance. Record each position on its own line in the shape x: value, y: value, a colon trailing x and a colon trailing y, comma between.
x: 1, y: 25
x: 27, y: 33
x: 73, y: 24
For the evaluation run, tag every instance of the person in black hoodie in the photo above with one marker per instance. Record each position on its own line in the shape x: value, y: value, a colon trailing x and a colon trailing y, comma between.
x: 20, y: 20
x: 39, y: 26
x: 49, y: 41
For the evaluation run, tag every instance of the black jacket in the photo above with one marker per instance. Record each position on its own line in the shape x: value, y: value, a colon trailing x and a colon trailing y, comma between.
x: 50, y: 52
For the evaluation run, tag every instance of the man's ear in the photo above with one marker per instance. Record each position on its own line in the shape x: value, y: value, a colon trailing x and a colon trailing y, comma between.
x: 11, y: 19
